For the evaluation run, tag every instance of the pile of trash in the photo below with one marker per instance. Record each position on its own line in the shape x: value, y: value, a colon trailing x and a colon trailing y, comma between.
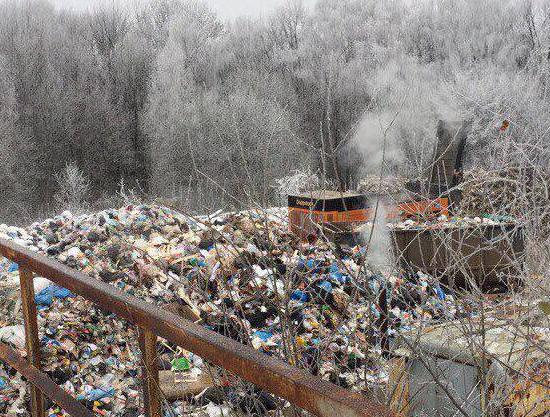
x: 510, y: 191
x: 244, y: 275
x: 445, y: 222
x: 386, y: 185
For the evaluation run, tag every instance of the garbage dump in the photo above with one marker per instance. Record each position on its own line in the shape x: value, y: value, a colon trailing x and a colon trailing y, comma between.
x: 315, y: 304
x: 239, y: 263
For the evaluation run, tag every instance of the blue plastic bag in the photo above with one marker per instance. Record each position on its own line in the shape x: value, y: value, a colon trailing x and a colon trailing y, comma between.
x: 314, y: 265
x: 440, y: 294
x: 339, y: 277
x: 264, y: 336
x: 325, y: 285
x: 99, y: 393
x: 298, y: 295
x: 46, y: 296
x: 60, y: 292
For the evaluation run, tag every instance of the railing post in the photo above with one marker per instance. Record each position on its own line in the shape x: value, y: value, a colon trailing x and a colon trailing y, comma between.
x: 150, y: 373
x: 31, y: 336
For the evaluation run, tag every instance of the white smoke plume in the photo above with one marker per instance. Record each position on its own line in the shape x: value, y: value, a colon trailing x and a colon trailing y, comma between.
x: 378, y: 239
x: 376, y: 138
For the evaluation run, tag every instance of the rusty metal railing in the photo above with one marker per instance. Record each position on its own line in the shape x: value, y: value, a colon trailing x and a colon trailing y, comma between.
x: 279, y: 378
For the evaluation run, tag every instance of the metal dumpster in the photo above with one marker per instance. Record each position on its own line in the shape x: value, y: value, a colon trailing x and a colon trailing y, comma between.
x: 487, y: 254
x: 434, y: 364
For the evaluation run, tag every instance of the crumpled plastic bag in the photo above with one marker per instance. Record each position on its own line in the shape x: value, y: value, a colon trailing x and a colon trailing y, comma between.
x: 14, y: 335
x: 46, y: 296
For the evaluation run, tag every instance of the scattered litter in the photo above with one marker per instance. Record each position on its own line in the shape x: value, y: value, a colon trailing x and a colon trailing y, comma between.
x: 14, y: 335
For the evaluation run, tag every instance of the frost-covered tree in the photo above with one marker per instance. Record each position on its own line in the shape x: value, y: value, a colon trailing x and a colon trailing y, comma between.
x: 211, y: 116
x: 12, y: 145
x: 151, y: 93
x: 333, y: 67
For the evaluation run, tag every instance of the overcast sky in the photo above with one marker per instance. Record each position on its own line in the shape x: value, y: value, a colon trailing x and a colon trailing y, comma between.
x: 226, y: 9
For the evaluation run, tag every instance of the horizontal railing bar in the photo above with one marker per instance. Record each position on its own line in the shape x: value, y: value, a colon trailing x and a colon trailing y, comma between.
x: 40, y: 380
x: 295, y: 385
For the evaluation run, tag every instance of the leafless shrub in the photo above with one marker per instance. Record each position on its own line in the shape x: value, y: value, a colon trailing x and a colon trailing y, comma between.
x: 74, y: 189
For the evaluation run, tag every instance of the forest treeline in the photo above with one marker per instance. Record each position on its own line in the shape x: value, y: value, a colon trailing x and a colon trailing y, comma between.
x: 170, y: 100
